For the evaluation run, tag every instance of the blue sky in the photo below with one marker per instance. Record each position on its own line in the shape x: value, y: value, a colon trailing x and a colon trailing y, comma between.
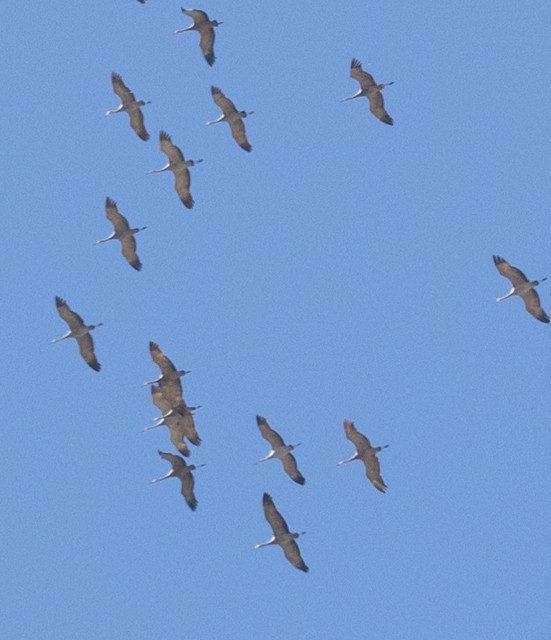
x: 341, y: 269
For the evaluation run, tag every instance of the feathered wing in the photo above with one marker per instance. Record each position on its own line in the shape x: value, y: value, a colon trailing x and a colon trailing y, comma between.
x: 373, y: 472
x: 268, y: 433
x: 164, y: 363
x: 533, y: 305
x: 291, y: 468
x: 225, y: 104
x: 173, y: 152
x: 128, y: 244
x: 182, y: 181
x: 123, y: 92
x: 86, y: 348
x: 272, y: 515
x: 365, y: 79
x: 292, y: 553
x: 66, y: 313
x: 137, y: 123
x: 119, y: 222
x: 514, y: 275
x: 358, y: 439
x: 238, y: 133
x: 188, y: 484
x: 206, y: 43
x: 377, y: 108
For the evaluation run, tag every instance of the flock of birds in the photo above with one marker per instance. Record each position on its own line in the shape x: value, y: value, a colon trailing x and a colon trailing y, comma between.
x: 166, y: 389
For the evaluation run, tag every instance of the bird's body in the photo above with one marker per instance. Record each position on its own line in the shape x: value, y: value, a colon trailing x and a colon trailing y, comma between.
x: 280, y: 450
x: 282, y: 536
x: 179, y: 167
x: 205, y: 26
x: 123, y: 233
x: 371, y: 90
x: 130, y: 105
x: 522, y: 287
x: 183, y: 472
x: 232, y: 116
x: 79, y: 331
x: 367, y: 454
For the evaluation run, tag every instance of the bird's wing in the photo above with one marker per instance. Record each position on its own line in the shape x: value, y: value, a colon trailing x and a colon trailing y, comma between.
x: 238, y: 132
x: 291, y: 469
x: 272, y: 515
x: 66, y: 313
x: 532, y: 303
x: 268, y: 433
x: 197, y: 15
x: 182, y: 180
x: 225, y: 104
x: 117, y: 219
x: 177, y: 437
x: 173, y: 152
x: 160, y: 359
x: 129, y: 252
x: 373, y: 472
x: 365, y: 79
x: 292, y: 553
x: 206, y: 43
x: 358, y: 439
x: 177, y: 463
x: 159, y: 400
x: 508, y: 271
x: 188, y: 483
x: 86, y: 347
x: 124, y: 93
x: 188, y: 426
x: 137, y: 123
x: 377, y: 108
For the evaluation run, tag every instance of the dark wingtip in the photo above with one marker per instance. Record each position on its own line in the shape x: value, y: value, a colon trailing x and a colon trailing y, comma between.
x: 260, y: 420
x: 109, y: 202
x: 59, y: 302
x: 355, y: 63
x: 300, y: 480
x: 214, y: 89
x: 96, y: 366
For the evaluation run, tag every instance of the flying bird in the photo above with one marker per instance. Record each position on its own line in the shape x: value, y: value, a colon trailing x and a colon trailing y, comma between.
x: 232, y: 116
x: 130, y: 105
x: 280, y: 450
x: 371, y: 90
x: 282, y: 536
x: 179, y: 166
x: 205, y: 27
x: 367, y: 454
x: 522, y: 287
x: 79, y: 331
x: 169, y: 373
x: 122, y: 232
x: 182, y: 471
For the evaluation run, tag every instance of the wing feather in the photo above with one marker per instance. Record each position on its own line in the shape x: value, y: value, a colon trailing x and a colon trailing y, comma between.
x: 66, y: 313
x: 86, y: 348
x: 291, y: 468
x: 292, y: 553
x: 268, y: 433
x: 533, y: 305
x: 272, y: 515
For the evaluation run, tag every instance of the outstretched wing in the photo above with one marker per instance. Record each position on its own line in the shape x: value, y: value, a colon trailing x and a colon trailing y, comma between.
x: 86, y: 348
x: 292, y: 553
x: 508, y: 271
x: 268, y: 433
x: 377, y: 108
x: 272, y: 515
x: 532, y: 303
x: 66, y: 313
x: 373, y: 472
x: 291, y: 468
x: 238, y: 132
x: 365, y: 79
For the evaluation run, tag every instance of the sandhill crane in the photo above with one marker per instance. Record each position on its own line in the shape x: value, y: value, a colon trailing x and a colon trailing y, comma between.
x: 522, y: 287
x: 371, y: 90
x: 232, y: 116
x: 130, y: 105
x: 280, y: 450
x: 79, y: 331
x: 205, y: 27
x: 282, y: 536
x: 169, y: 373
x: 182, y: 471
x: 178, y: 417
x: 179, y: 166
x: 122, y: 232
x: 366, y: 453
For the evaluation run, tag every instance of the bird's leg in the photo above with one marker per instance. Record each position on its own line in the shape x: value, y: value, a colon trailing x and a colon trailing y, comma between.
x: 265, y: 544
x: 356, y: 95
x: 67, y: 335
x: 110, y: 237
x: 165, y: 168
x: 117, y: 110
x: 168, y: 475
x: 215, y: 121
x: 511, y: 293
x: 190, y: 28
x: 268, y: 457
x: 348, y: 459
x: 154, y: 426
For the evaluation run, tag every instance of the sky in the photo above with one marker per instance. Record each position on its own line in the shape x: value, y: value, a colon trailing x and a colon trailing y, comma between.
x: 343, y: 268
